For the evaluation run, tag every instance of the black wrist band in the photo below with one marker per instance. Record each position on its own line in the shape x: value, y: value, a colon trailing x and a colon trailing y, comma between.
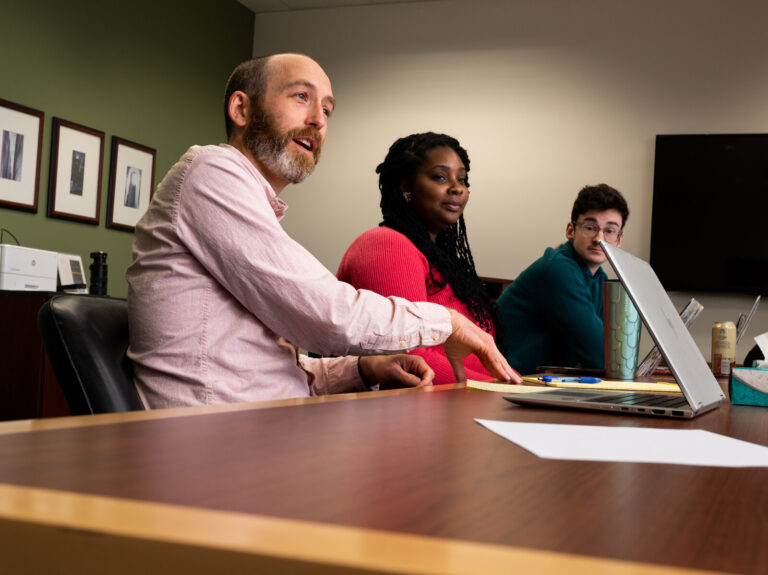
x: 368, y: 384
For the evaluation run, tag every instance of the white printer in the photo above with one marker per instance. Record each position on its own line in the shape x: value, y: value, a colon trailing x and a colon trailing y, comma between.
x: 27, y: 269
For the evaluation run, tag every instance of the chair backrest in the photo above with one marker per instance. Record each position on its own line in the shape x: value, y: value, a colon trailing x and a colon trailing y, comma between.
x: 85, y: 339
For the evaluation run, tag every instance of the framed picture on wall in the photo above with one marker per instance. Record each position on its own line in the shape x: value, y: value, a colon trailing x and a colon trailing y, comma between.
x: 74, y: 188
x: 21, y: 141
x: 131, y: 183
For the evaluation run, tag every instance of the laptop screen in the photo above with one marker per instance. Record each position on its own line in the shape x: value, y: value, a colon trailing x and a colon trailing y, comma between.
x: 663, y: 322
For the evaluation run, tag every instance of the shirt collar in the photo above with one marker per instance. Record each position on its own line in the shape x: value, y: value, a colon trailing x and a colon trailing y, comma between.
x: 278, y: 205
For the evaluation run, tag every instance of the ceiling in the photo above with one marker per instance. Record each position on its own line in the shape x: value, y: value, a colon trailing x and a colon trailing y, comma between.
x: 260, y: 6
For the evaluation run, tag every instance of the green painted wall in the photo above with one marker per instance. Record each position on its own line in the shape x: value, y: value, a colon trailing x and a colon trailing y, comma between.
x: 149, y: 71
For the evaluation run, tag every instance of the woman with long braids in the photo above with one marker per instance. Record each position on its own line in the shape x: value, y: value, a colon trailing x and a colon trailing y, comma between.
x: 420, y: 251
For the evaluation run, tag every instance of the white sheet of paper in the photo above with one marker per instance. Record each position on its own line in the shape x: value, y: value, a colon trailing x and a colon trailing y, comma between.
x: 762, y: 342
x: 630, y: 444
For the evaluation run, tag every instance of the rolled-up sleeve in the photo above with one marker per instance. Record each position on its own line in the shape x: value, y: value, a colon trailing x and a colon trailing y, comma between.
x: 332, y: 374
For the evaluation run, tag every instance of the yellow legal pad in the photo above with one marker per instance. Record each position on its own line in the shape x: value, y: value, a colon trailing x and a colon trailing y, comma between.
x: 503, y: 387
x: 531, y: 384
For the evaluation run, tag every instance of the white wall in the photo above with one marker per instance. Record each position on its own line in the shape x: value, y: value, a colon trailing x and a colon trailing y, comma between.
x: 546, y: 95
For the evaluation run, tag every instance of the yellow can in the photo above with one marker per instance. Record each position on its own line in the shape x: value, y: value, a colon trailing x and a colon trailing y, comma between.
x: 723, y: 347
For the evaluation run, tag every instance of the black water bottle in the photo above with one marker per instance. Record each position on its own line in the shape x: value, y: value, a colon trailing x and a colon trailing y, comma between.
x: 98, y: 274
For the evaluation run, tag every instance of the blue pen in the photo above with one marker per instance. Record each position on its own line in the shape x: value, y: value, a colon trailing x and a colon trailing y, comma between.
x: 552, y: 378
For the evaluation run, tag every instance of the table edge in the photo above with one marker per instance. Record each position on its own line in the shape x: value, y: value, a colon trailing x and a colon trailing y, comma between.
x: 74, y: 421
x: 305, y: 547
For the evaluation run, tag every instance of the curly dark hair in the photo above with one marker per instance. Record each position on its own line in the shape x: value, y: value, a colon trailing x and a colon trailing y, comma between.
x: 449, y: 254
x: 600, y: 197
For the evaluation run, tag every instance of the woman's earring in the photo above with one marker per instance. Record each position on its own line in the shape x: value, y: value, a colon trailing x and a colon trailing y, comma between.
x: 407, y: 197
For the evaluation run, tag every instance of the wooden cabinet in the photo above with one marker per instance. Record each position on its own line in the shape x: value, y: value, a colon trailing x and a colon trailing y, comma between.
x: 28, y: 387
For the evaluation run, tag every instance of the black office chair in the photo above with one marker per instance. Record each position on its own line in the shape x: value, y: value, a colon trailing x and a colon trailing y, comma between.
x: 85, y: 338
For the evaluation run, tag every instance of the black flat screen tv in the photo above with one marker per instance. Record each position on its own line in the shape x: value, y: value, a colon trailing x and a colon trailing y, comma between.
x: 709, y: 227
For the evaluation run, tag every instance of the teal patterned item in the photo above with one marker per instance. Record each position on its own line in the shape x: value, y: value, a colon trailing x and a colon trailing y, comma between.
x: 749, y: 386
x: 621, y: 325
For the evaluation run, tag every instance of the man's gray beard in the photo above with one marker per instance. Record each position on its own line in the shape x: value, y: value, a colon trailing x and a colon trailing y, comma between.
x: 280, y: 162
x: 271, y: 149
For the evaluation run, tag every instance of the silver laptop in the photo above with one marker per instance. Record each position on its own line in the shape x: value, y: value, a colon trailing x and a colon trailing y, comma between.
x: 701, y: 392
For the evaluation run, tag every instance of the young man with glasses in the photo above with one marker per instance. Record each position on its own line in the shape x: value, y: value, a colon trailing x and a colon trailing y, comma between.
x: 553, y: 312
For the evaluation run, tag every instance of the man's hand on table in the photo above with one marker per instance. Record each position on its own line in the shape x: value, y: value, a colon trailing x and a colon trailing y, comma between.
x: 393, y: 371
x: 467, y: 338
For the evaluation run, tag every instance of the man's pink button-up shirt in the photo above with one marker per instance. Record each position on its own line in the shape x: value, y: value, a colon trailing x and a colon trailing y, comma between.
x: 220, y: 297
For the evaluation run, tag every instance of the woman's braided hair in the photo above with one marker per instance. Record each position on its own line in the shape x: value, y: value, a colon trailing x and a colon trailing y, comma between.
x: 449, y: 254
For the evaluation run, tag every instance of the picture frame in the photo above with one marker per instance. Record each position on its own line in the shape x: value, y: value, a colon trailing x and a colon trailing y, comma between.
x: 131, y: 183
x: 21, y: 144
x: 77, y: 157
x: 71, y: 274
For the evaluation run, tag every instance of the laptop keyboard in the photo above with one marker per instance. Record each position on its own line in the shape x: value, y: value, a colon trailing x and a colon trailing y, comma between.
x: 644, y: 399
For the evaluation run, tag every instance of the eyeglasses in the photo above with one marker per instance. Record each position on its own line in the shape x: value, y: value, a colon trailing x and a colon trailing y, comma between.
x: 611, y: 234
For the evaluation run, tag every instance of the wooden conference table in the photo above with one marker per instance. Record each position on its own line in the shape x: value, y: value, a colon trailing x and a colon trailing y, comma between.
x: 384, y: 482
